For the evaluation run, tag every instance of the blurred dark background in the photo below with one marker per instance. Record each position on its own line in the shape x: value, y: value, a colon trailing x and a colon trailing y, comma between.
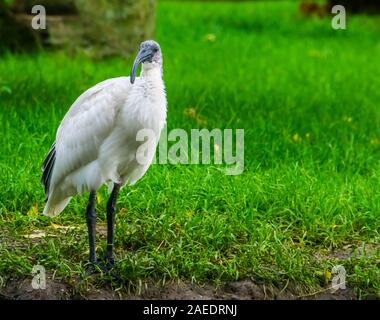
x: 99, y: 28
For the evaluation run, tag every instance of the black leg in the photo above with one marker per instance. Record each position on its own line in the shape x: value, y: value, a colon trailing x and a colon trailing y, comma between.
x: 91, y: 223
x: 111, y: 209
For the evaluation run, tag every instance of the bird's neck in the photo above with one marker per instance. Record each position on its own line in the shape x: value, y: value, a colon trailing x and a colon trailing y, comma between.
x: 151, y: 74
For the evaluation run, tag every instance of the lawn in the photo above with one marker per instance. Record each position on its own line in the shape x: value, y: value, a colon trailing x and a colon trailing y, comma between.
x: 307, y: 97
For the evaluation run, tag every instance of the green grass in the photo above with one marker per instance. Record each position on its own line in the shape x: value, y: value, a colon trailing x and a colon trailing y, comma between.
x: 308, y: 99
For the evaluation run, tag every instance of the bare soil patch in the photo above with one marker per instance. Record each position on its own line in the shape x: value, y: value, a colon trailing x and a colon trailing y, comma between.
x: 21, y: 289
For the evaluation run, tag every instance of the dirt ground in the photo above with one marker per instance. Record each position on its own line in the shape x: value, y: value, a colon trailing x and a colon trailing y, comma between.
x: 21, y: 289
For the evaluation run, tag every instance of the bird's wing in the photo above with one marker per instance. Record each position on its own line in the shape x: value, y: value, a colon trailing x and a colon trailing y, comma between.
x: 85, y: 126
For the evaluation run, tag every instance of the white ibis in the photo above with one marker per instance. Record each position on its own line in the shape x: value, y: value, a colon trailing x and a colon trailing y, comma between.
x: 96, y: 141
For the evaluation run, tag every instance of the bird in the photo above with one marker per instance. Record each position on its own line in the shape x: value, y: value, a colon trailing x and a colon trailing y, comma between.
x: 97, y: 143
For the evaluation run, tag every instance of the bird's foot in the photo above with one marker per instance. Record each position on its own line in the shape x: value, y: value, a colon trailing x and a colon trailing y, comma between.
x: 96, y: 267
x: 105, y: 268
x: 110, y: 262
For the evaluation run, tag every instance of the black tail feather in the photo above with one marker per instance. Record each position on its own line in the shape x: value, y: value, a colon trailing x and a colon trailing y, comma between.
x: 47, y: 169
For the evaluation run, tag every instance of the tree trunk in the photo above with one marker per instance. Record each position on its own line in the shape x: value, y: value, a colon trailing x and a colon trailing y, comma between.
x: 98, y: 28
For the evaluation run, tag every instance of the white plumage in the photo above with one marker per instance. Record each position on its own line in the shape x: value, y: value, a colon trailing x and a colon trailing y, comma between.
x: 96, y: 141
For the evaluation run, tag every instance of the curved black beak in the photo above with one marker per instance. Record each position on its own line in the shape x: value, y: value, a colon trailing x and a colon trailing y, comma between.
x: 145, y: 54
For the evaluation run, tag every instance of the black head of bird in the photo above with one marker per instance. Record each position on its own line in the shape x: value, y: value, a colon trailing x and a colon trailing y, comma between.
x: 149, y: 55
